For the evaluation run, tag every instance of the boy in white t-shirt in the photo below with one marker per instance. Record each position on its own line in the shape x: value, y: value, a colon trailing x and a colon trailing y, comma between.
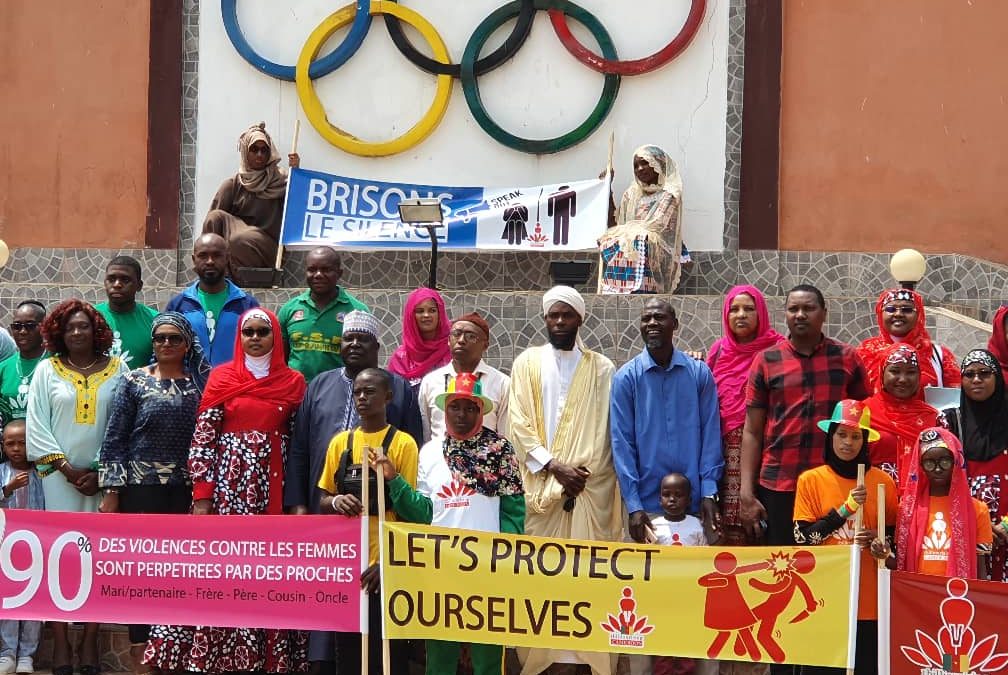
x: 676, y: 528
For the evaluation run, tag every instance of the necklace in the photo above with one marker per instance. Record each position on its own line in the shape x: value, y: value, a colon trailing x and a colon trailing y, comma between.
x: 26, y: 378
x: 82, y: 369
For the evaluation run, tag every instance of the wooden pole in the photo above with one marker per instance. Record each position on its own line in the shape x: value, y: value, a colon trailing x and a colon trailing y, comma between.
x: 280, y: 249
x: 365, y: 560
x: 880, y: 524
x: 609, y: 172
x: 859, y: 516
x: 859, y: 522
x: 386, y: 659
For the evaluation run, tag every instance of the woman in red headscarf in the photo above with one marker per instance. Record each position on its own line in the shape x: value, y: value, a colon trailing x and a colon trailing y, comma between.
x: 747, y: 331
x: 900, y: 314
x: 236, y: 463
x: 998, y: 343
x: 897, y: 413
x: 941, y: 529
x: 424, y: 337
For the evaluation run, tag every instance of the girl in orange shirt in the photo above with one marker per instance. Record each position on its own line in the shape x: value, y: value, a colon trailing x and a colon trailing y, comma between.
x: 941, y: 530
x: 826, y: 501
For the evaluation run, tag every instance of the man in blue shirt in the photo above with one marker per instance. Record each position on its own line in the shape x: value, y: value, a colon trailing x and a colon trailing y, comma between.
x: 213, y: 304
x: 664, y: 419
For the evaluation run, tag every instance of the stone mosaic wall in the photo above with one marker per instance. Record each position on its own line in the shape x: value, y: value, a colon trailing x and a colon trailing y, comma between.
x: 516, y: 321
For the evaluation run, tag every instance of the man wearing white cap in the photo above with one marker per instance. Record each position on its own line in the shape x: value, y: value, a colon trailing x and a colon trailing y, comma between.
x: 559, y: 425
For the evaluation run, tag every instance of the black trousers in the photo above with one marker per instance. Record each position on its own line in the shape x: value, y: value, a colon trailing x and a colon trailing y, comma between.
x: 780, y: 516
x: 348, y: 646
x: 779, y: 532
x: 865, y: 653
x: 153, y: 499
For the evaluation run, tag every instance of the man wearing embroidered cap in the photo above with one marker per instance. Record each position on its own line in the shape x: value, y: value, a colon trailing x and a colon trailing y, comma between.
x: 469, y: 339
x: 827, y: 501
x: 328, y: 409
x: 559, y: 425
x: 469, y: 479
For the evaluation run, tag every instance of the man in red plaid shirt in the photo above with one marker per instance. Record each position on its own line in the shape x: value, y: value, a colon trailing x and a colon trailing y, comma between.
x: 791, y: 386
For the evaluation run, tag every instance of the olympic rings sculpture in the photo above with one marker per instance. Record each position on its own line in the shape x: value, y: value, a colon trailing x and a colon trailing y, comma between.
x: 358, y: 16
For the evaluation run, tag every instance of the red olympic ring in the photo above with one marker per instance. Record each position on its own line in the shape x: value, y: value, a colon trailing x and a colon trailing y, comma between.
x: 637, y: 66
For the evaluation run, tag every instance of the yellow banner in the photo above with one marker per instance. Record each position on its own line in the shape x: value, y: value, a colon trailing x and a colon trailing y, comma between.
x: 769, y: 604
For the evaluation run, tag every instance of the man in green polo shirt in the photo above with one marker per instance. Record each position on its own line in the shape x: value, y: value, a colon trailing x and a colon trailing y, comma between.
x: 312, y: 322
x: 129, y: 320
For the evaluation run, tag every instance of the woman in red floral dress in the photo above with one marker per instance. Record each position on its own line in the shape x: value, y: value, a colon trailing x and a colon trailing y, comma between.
x: 236, y: 461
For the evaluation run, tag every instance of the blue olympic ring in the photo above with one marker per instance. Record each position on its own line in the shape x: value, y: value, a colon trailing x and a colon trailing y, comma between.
x: 327, y: 64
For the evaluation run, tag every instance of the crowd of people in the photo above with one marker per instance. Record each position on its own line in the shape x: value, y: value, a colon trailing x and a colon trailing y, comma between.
x: 218, y: 406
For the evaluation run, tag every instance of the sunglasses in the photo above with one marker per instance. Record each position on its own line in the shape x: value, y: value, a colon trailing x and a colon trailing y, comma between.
x: 894, y: 309
x: 931, y: 464
x: 984, y: 374
x: 173, y: 339
x: 24, y: 325
x: 262, y: 332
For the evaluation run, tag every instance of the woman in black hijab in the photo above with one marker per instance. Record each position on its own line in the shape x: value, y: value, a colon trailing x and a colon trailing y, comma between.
x: 982, y: 426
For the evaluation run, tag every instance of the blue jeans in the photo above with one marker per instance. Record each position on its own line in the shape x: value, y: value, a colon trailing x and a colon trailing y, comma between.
x: 20, y: 638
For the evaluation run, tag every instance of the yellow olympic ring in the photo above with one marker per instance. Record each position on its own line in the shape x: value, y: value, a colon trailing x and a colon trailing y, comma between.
x: 314, y: 110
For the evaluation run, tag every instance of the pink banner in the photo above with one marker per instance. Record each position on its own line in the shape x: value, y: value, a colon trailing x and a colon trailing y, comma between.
x: 241, y: 571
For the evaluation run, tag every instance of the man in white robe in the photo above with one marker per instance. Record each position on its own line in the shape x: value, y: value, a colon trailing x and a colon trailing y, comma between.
x: 559, y: 426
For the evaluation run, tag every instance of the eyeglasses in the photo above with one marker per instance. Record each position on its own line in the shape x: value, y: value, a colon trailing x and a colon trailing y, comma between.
x: 897, y: 309
x: 174, y: 339
x: 469, y: 335
x: 257, y: 332
x: 23, y: 325
x: 984, y: 374
x: 931, y: 464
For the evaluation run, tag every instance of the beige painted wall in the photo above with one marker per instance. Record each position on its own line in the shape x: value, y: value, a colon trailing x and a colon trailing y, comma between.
x: 894, y: 126
x: 73, y: 155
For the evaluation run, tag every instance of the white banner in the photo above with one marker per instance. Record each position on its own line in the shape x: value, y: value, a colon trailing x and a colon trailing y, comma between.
x: 322, y: 209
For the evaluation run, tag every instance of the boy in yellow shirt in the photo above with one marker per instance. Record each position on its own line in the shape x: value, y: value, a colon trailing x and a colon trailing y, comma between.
x: 341, y: 480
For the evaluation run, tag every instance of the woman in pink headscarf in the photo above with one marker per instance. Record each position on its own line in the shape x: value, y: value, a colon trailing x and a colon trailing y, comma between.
x: 424, y: 337
x: 747, y: 332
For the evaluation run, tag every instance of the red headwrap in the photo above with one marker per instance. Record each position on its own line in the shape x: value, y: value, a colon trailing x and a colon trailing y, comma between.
x: 282, y: 385
x: 914, y: 510
x: 898, y: 420
x: 998, y: 343
x: 416, y: 357
x: 872, y: 350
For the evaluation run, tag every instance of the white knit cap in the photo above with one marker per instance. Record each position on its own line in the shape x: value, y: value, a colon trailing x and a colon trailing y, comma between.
x: 362, y: 322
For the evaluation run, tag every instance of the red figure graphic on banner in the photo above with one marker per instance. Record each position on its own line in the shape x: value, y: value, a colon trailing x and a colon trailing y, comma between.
x: 562, y: 205
x: 956, y: 636
x: 726, y: 610
x: 957, y: 650
x: 628, y: 629
x: 787, y: 573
